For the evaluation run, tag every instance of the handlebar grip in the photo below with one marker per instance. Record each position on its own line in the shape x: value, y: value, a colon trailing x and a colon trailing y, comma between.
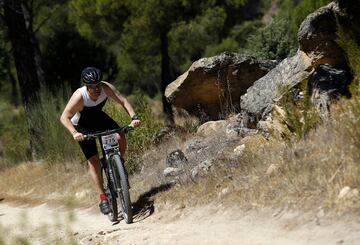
x: 128, y: 128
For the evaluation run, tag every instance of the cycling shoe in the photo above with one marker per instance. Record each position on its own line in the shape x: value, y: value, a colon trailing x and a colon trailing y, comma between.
x: 105, y: 207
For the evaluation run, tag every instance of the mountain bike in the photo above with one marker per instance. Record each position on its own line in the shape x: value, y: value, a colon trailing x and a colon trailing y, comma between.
x: 115, y: 179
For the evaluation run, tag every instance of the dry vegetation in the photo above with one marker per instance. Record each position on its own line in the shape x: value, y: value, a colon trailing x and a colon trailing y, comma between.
x: 35, y: 183
x: 302, y: 174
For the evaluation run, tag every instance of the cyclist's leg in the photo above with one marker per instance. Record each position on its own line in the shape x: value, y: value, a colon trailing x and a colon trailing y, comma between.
x: 90, y: 151
x: 95, y: 173
x: 122, y: 143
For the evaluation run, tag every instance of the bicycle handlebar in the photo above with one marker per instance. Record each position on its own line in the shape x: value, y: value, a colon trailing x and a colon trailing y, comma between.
x: 124, y: 130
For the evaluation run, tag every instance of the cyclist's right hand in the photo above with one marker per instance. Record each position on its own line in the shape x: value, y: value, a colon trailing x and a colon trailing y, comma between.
x: 78, y: 136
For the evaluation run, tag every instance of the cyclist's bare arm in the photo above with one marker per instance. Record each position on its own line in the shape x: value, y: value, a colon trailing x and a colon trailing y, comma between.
x: 112, y: 92
x: 74, y: 105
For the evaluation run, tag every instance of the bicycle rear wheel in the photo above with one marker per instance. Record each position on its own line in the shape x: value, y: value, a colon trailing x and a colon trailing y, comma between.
x: 123, y: 190
x: 111, y: 196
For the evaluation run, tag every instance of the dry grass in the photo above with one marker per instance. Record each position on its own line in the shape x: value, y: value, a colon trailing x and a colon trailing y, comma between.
x: 34, y: 183
x: 307, y: 174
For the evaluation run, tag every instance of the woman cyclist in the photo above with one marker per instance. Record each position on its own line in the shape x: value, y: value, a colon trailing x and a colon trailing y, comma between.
x: 83, y: 115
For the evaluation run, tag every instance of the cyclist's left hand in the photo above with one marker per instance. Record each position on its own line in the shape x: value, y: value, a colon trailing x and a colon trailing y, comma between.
x: 135, y: 123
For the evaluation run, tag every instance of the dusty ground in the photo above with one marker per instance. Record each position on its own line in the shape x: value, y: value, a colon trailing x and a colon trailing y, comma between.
x: 43, y: 224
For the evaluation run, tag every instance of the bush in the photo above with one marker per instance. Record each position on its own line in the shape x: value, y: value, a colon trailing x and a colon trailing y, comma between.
x: 301, y: 115
x: 14, y: 144
x: 347, y: 42
x: 55, y: 143
x: 274, y: 41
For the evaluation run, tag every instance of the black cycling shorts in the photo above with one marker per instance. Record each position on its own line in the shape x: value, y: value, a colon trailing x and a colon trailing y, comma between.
x: 102, y: 122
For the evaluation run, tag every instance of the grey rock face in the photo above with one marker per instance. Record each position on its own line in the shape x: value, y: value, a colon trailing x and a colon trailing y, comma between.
x: 212, y: 87
x: 176, y: 159
x: 326, y: 84
x: 257, y: 102
x: 170, y: 171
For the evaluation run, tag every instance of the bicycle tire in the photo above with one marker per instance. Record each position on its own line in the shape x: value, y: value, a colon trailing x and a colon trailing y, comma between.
x: 123, y: 191
x: 111, y: 196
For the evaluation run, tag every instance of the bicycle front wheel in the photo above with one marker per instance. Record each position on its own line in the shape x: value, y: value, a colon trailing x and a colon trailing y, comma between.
x: 123, y: 189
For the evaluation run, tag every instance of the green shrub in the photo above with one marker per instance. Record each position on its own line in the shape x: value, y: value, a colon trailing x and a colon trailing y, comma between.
x: 301, y: 115
x: 236, y: 40
x: 14, y: 144
x: 274, y: 41
x: 348, y: 43
x: 243, y: 31
x: 55, y: 143
x: 227, y: 44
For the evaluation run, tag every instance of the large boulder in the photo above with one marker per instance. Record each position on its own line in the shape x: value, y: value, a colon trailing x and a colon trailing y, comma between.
x: 319, y: 31
x: 257, y: 103
x: 211, y: 87
x: 317, y: 36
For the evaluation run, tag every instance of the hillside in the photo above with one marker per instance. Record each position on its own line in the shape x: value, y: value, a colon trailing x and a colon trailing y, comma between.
x: 265, y: 150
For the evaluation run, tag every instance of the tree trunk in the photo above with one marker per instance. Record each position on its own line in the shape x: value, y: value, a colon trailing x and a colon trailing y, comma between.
x: 22, y: 41
x: 166, y: 79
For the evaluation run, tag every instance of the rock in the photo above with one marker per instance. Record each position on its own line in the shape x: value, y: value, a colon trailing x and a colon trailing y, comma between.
x: 326, y: 84
x: 239, y: 150
x: 203, y: 168
x: 176, y: 159
x: 169, y: 171
x: 211, y: 128
x: 272, y: 169
x: 206, y: 165
x: 224, y: 192
x: 194, y: 145
x: 344, y: 191
x: 257, y: 103
x: 195, y: 172
x: 348, y: 193
x: 317, y: 36
x: 211, y: 88
x: 231, y: 128
x: 319, y: 31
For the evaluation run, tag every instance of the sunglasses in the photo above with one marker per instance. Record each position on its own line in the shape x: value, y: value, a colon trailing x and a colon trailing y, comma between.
x: 94, y: 86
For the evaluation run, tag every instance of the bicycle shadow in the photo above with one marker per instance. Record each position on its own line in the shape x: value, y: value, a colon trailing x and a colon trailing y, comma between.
x: 144, y: 206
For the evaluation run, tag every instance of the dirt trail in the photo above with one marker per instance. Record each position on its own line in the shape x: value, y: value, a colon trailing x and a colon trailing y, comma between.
x: 207, y: 225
